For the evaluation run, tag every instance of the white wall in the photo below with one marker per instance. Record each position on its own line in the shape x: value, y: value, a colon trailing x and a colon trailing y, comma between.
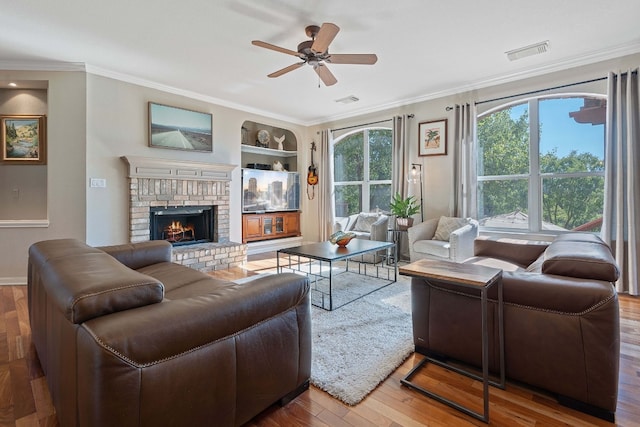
x: 65, y: 171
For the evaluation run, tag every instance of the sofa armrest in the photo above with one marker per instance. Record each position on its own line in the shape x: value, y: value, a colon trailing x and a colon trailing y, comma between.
x: 423, y: 231
x: 461, y: 242
x: 380, y: 229
x: 520, y: 252
x: 141, y: 254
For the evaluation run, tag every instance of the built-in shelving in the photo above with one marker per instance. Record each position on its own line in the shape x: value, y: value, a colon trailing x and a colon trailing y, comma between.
x: 262, y: 229
x: 267, y: 151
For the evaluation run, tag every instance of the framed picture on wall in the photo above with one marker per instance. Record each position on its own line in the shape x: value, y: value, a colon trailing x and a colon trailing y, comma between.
x: 432, y: 137
x: 24, y: 139
x: 179, y: 129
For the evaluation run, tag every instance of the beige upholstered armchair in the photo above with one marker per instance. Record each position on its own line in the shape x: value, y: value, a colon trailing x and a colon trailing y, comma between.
x: 443, y: 238
x: 368, y: 226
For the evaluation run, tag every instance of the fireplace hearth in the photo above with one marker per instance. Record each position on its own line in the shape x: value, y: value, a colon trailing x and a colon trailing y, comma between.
x: 182, y: 225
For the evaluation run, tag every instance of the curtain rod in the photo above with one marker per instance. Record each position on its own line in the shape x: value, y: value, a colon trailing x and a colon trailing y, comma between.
x: 541, y: 90
x: 368, y: 124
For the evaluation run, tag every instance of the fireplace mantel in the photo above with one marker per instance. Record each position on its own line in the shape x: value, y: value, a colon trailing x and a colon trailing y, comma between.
x: 147, y: 167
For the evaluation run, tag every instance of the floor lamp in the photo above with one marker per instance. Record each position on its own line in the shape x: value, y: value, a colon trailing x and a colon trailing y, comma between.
x: 415, y: 177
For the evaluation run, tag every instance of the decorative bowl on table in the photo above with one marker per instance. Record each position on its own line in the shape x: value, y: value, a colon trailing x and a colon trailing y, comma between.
x: 341, y: 238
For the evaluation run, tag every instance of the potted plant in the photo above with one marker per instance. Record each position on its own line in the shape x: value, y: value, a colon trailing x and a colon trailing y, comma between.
x: 403, y: 209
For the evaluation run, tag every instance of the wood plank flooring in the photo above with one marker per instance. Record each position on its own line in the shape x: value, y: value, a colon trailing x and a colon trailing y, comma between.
x: 25, y: 400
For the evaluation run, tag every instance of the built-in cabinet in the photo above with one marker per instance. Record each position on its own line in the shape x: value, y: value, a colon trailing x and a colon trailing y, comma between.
x: 270, y: 226
x: 267, y: 147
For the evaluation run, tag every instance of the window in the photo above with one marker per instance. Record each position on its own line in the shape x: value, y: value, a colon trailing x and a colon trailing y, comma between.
x: 362, y: 171
x: 540, y: 165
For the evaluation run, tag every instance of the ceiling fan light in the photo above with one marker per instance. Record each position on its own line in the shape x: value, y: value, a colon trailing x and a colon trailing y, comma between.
x: 534, y: 49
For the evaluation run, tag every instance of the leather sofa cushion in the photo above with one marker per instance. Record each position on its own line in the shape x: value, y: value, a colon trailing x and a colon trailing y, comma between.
x: 584, y: 259
x: 141, y: 254
x: 94, y: 284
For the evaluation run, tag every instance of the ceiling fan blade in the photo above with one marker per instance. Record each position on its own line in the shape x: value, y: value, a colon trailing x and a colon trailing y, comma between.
x: 354, y: 58
x: 325, y: 75
x: 286, y: 70
x: 324, y: 37
x: 274, y: 47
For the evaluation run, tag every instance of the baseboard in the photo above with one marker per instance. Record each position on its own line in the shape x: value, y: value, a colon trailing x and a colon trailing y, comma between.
x: 13, y: 281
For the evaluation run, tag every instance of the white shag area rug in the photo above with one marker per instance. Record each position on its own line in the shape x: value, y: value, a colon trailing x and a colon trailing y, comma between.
x: 357, y: 346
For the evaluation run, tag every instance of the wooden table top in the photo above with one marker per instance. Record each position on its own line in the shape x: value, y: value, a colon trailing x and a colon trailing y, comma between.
x: 467, y: 274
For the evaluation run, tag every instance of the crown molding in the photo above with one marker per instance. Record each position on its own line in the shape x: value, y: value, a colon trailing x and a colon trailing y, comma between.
x: 91, y: 69
x: 41, y: 66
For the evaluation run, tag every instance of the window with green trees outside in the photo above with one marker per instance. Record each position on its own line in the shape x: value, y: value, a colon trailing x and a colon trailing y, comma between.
x: 540, y: 165
x: 362, y: 171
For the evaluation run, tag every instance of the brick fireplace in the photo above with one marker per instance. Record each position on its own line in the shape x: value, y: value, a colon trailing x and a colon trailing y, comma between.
x: 164, y: 183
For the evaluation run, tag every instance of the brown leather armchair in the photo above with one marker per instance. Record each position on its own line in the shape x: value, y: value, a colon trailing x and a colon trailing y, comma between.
x: 561, y: 318
x: 127, y: 338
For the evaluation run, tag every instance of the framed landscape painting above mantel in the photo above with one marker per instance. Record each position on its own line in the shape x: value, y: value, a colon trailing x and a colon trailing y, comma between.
x: 432, y: 137
x: 179, y: 129
x: 24, y: 139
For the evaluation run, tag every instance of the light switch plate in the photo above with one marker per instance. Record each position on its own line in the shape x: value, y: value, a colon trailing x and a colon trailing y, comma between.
x: 98, y: 183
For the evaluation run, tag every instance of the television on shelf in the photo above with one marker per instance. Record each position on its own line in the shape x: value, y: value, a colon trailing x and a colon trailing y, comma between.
x: 270, y: 191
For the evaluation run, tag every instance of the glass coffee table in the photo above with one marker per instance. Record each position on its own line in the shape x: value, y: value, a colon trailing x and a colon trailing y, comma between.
x: 318, y: 261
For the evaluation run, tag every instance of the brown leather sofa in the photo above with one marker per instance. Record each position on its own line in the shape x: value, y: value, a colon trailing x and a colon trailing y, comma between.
x: 127, y: 338
x: 561, y: 318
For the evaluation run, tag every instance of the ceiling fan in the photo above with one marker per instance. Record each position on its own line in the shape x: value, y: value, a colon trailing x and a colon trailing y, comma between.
x: 315, y: 52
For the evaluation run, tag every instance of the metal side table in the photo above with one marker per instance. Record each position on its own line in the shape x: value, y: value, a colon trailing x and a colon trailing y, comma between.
x: 468, y: 276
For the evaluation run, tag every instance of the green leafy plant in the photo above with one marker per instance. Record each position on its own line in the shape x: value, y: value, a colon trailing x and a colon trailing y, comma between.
x: 404, y: 207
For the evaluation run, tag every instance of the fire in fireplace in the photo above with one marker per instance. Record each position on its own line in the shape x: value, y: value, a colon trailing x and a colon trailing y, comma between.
x: 182, y: 225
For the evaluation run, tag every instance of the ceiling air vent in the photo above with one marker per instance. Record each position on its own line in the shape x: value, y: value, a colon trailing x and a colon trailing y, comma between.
x: 523, y: 52
x: 348, y: 100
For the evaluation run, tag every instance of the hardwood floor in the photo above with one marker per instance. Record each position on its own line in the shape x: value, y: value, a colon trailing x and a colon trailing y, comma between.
x: 25, y: 400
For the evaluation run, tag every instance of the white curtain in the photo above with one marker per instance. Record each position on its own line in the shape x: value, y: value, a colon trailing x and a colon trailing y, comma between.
x: 464, y: 140
x: 326, y: 188
x: 400, y: 169
x: 621, y: 222
x: 400, y: 156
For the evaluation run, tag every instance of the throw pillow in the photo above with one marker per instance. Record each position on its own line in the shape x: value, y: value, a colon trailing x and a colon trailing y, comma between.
x: 365, y: 221
x: 446, y: 225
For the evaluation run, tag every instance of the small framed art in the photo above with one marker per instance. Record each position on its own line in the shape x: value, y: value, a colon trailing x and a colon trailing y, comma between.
x: 179, y: 129
x: 432, y: 137
x: 24, y: 139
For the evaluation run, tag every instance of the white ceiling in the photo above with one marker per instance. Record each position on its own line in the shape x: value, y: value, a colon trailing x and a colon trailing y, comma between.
x: 425, y: 48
